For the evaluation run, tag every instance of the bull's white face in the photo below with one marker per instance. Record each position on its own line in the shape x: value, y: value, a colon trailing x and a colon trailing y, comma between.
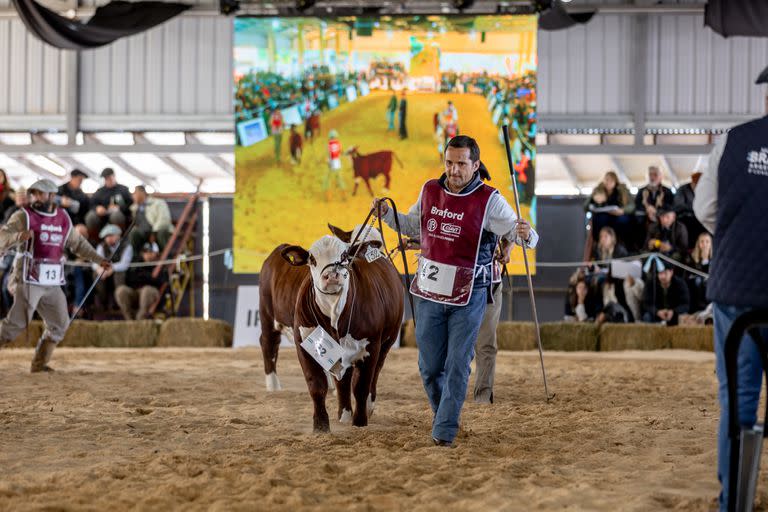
x: 324, y: 252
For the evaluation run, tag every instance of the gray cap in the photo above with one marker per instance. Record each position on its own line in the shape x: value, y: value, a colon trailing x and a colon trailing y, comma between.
x: 44, y: 186
x: 110, y: 229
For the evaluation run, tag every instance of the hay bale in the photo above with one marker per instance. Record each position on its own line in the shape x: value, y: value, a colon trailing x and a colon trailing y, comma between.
x: 692, y: 337
x: 82, y: 333
x: 127, y: 334
x: 516, y: 336
x: 408, y: 339
x: 194, y: 332
x: 633, y: 337
x: 35, y: 331
x: 569, y: 336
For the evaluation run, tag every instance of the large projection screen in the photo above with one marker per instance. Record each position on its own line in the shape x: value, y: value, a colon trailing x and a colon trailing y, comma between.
x: 325, y: 82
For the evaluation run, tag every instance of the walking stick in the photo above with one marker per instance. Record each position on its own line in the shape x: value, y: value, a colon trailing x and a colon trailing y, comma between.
x: 549, y: 397
x: 88, y: 293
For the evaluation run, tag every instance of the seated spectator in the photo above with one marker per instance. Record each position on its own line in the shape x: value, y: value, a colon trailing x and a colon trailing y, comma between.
x: 648, y: 201
x: 6, y: 194
x: 72, y: 197
x: 612, y: 289
x: 611, y: 205
x: 697, y: 285
x: 583, y: 302
x: 295, y: 143
x: 668, y: 236
x: 109, y: 205
x: 121, y: 258
x: 153, y: 219
x: 21, y: 199
x: 665, y: 298
x: 78, y: 280
x: 140, y: 290
x: 683, y: 206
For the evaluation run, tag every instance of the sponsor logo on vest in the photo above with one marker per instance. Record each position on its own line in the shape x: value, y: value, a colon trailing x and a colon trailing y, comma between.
x: 758, y: 162
x: 56, y: 238
x: 450, y: 229
x: 44, y: 237
x: 431, y: 225
x: 48, y: 227
x: 446, y: 214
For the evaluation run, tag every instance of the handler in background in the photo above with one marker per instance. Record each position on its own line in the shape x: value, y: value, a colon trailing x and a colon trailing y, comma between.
x: 43, y: 232
x: 730, y: 204
x: 458, y: 220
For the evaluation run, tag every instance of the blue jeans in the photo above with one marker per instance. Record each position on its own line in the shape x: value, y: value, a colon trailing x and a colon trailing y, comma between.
x: 750, y: 375
x: 446, y: 338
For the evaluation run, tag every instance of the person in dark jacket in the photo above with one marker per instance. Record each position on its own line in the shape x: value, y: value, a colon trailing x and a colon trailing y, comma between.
x: 72, y: 197
x: 140, y: 290
x: 730, y: 204
x: 668, y: 236
x: 583, y: 302
x: 403, y: 113
x: 6, y: 194
x: 648, y: 201
x: 109, y: 205
x: 665, y: 298
x: 683, y: 206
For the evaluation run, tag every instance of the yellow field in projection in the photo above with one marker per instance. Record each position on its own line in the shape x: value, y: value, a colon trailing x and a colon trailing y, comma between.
x: 284, y: 203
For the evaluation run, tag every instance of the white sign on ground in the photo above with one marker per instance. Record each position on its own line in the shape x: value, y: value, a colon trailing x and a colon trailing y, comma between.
x: 247, y: 324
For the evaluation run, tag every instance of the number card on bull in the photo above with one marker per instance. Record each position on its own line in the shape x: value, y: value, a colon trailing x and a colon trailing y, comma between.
x: 325, y: 350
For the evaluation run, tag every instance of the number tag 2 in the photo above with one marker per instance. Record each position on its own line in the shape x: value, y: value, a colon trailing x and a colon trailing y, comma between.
x: 436, y: 277
x: 325, y: 350
x: 49, y: 274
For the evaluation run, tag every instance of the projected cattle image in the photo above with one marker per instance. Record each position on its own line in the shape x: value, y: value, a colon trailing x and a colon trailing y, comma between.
x: 332, y: 112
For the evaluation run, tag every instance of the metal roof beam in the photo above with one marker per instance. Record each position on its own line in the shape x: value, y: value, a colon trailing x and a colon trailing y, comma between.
x: 170, y: 162
x: 40, y: 171
x: 133, y: 171
x: 620, y: 171
x: 624, y: 149
x: 216, y: 159
x: 670, y: 171
x: 571, y: 173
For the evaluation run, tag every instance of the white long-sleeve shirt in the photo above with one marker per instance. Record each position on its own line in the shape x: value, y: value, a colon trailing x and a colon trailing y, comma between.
x: 705, y: 198
x: 500, y: 220
x: 119, y: 266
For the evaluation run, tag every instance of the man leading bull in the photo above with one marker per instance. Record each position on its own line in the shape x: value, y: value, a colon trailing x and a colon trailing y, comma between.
x: 459, y: 221
x: 42, y: 233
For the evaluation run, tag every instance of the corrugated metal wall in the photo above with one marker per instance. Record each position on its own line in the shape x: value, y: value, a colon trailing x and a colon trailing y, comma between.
x: 181, y: 73
x: 182, y: 67
x: 32, y: 75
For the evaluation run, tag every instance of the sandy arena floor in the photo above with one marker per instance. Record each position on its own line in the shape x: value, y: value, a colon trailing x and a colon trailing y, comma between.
x: 195, y: 430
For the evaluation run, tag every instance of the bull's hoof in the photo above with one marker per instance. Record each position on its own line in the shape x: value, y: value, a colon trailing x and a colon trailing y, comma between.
x: 346, y: 416
x: 360, y: 422
x: 370, y: 406
x: 322, y: 428
x: 273, y: 383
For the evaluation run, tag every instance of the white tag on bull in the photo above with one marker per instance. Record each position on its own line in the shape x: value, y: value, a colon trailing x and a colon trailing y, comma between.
x: 372, y: 254
x: 436, y: 277
x: 49, y: 274
x: 325, y: 350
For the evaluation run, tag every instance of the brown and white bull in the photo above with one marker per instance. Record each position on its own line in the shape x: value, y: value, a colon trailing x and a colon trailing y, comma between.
x: 367, y: 167
x: 361, y: 306
x: 279, y: 284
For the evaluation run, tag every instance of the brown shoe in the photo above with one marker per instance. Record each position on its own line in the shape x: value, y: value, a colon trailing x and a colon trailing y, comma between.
x: 43, y: 354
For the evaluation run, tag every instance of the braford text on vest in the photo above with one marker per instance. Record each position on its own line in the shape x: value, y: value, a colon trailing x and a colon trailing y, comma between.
x: 446, y: 213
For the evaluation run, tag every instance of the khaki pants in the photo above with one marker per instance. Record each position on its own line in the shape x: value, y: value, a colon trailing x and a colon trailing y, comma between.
x: 128, y: 299
x: 485, y: 350
x: 48, y: 301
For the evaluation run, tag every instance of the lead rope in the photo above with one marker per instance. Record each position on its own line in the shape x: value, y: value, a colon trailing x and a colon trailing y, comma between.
x: 401, y: 246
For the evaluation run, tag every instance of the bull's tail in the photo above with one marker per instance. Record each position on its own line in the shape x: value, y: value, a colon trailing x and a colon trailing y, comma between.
x: 397, y: 159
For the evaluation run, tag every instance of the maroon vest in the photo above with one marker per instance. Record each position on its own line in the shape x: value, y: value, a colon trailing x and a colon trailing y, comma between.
x: 451, y: 228
x: 44, y: 255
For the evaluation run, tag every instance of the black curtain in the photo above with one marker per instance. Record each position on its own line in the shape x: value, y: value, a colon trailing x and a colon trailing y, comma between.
x: 110, y: 22
x: 737, y: 17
